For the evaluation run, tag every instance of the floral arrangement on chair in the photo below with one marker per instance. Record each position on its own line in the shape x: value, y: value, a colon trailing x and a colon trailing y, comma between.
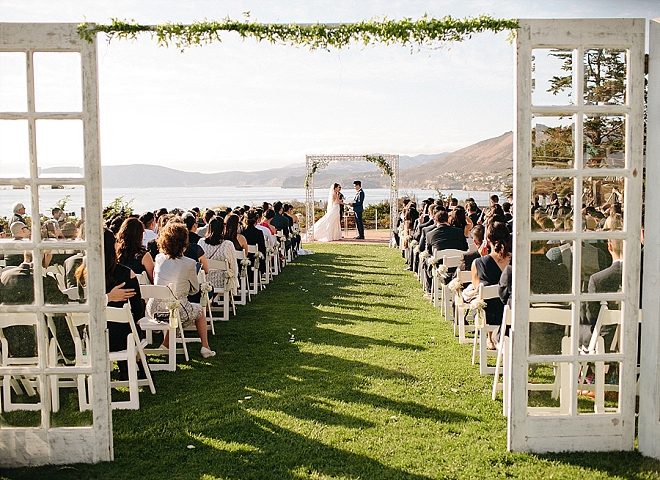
x: 424, y: 255
x: 245, y: 263
x: 258, y: 257
x: 205, y: 288
x: 174, y: 305
x: 478, y: 306
x: 456, y: 287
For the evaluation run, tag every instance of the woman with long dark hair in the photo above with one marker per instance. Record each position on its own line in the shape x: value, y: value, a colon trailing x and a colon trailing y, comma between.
x: 130, y: 250
x: 217, y: 248
x: 458, y: 218
x: 487, y: 270
x: 231, y: 233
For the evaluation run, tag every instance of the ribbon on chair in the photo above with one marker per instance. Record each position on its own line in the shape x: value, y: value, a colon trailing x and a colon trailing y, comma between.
x: 245, y: 263
x: 174, y: 305
x: 439, y: 270
x: 424, y: 255
x: 258, y: 257
x: 205, y: 288
x: 456, y: 287
x: 231, y: 282
x: 479, y: 308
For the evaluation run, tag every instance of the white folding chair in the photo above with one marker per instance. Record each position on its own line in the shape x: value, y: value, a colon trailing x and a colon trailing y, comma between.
x: 255, y: 284
x: 143, y: 278
x: 221, y: 295
x: 480, y: 334
x: 205, y: 300
x: 436, y: 288
x: 606, y: 317
x: 150, y: 325
x: 243, y: 289
x: 134, y: 348
x: 445, y: 295
x: 502, y: 346
x: 460, y: 308
x: 30, y: 383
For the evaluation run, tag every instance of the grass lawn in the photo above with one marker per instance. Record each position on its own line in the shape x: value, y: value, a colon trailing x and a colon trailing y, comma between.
x: 339, y: 369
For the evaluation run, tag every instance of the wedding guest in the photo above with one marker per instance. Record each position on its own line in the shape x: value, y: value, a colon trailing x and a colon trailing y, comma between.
x: 269, y: 238
x: 231, y: 233
x: 148, y: 220
x: 191, y: 224
x: 295, y: 240
x: 217, y: 248
x: 267, y: 219
x: 130, y: 251
x: 254, y: 236
x: 487, y: 270
x: 18, y: 210
x: 208, y: 215
x: 171, y: 267
x: 458, y: 219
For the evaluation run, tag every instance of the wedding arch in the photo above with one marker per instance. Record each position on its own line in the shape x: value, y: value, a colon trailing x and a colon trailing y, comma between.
x: 388, y: 164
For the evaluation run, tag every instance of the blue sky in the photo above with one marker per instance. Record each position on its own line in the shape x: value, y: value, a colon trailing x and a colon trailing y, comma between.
x: 246, y: 106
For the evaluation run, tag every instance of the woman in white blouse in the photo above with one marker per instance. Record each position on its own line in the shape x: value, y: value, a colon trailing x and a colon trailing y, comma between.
x: 171, y: 267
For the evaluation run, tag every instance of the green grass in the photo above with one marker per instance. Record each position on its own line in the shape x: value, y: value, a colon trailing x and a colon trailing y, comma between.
x: 351, y: 375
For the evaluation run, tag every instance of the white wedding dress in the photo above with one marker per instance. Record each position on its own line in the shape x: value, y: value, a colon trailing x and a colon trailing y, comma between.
x: 328, y: 228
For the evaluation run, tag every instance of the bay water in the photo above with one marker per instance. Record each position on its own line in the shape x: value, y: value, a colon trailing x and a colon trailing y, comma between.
x: 149, y: 199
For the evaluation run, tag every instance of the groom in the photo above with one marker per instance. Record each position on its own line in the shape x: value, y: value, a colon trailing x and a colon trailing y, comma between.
x: 358, y: 206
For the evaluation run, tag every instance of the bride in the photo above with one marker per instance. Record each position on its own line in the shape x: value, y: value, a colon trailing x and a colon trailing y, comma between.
x: 328, y: 228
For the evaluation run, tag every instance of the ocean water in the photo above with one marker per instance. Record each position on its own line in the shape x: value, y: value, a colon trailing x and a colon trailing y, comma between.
x: 149, y: 199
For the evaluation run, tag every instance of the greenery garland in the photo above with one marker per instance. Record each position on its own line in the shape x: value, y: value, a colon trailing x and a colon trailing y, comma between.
x: 382, y: 164
x: 423, y: 32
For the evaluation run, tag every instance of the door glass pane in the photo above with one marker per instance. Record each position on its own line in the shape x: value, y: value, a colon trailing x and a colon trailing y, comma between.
x: 550, y: 329
x: 598, y: 387
x: 550, y: 267
x: 553, y: 143
x: 603, y: 320
x: 552, y: 209
x: 57, y: 82
x: 60, y: 149
x: 552, y: 80
x: 13, y: 82
x: 605, y: 75
x: 14, y: 218
x: 544, y: 393
x: 604, y: 141
x: 14, y: 149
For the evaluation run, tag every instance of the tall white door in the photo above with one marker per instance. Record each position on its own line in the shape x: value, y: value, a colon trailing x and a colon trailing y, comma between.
x: 55, y: 399
x: 578, y: 184
x: 649, y: 382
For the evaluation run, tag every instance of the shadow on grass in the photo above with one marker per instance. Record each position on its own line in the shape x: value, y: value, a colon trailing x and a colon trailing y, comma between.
x: 628, y: 465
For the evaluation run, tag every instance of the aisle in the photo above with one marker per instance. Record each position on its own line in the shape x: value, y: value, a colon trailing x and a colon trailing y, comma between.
x: 338, y: 370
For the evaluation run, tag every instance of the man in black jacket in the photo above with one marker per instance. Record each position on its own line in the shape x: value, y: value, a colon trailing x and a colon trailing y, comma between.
x: 442, y: 238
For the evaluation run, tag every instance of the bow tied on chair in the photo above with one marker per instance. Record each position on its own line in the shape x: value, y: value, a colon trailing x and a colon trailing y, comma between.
x: 456, y: 287
x: 258, y: 257
x: 205, y: 288
x: 173, y: 306
x: 245, y: 263
x: 479, y: 308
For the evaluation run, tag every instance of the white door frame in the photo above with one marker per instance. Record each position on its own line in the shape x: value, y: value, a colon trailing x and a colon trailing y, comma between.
x: 46, y: 444
x: 570, y: 431
x: 649, y: 381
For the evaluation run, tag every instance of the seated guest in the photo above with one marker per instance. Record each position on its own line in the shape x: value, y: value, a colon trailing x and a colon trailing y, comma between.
x: 216, y: 248
x: 269, y: 238
x: 458, y: 219
x: 477, y: 234
x: 208, y: 215
x: 191, y: 224
x: 117, y: 276
x: 267, y: 219
x: 231, y: 233
x: 254, y: 236
x: 148, y: 220
x: 130, y: 251
x: 281, y: 223
x: 296, y: 240
x: 487, y: 270
x: 442, y: 238
x: 171, y: 267
x: 152, y: 245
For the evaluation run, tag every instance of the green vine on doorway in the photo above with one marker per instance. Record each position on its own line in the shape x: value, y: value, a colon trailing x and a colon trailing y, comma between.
x: 427, y: 31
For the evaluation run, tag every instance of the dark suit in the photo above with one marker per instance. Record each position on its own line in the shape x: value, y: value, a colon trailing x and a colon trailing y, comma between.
x: 254, y: 236
x: 608, y: 280
x: 442, y: 238
x: 280, y: 222
x: 358, y: 208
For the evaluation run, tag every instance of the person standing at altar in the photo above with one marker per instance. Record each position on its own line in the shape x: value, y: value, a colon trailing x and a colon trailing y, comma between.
x: 358, y: 207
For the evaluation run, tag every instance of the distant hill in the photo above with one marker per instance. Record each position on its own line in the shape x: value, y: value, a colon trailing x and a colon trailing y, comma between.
x: 464, y: 168
x: 443, y: 170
